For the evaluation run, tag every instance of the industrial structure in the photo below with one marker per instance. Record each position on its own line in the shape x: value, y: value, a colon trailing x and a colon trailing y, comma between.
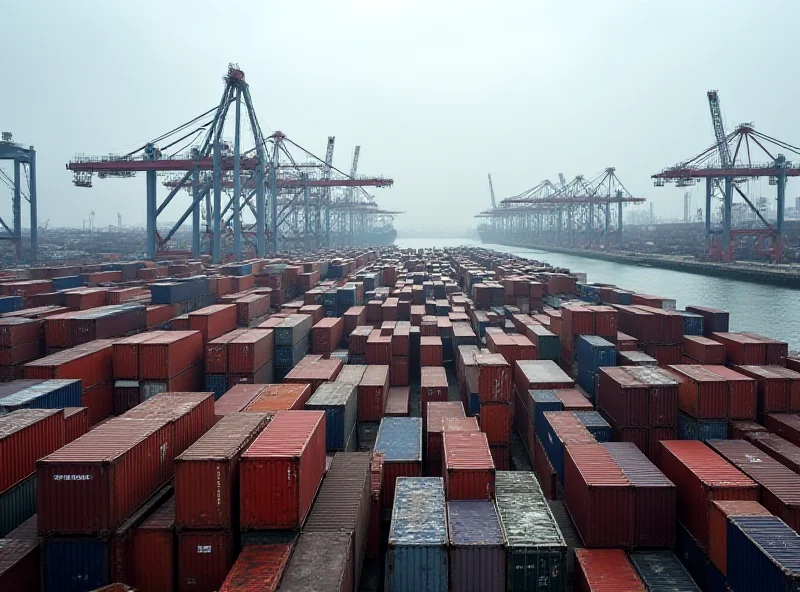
x: 727, y: 166
x: 291, y: 193
x: 24, y: 162
x: 583, y: 213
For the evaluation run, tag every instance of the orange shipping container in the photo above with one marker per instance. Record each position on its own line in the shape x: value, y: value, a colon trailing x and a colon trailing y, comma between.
x: 280, y: 397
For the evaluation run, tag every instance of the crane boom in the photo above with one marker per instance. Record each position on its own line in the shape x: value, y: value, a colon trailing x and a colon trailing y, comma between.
x: 491, y: 190
x: 719, y: 129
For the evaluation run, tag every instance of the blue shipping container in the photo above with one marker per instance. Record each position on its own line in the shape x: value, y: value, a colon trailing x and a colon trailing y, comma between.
x: 553, y: 446
x: 763, y: 554
x: 338, y: 401
x: 540, y: 401
x: 400, y: 439
x: 690, y: 428
x: 237, y: 269
x: 418, y: 536
x: 595, y: 352
x: 217, y: 384
x: 693, y: 557
x: 10, y: 303
x: 66, y: 282
x: 75, y: 565
x: 597, y: 426
x: 48, y: 394
x: 287, y: 356
x: 661, y: 570
x: 587, y: 380
x: 692, y: 323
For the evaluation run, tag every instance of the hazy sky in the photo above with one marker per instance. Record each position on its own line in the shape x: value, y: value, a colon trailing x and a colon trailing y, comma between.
x: 436, y: 93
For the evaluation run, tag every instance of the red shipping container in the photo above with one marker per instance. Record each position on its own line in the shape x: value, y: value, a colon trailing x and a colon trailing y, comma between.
x: 624, y: 398
x: 169, y: 353
x: 249, y: 351
x: 742, y: 396
x: 354, y: 317
x: 24, y: 352
x: 741, y: 349
x: 605, y: 321
x: 154, y: 551
x: 252, y: 306
x: 501, y: 455
x: 85, y: 298
x: 495, y: 420
x: 375, y: 508
x: 126, y: 355
x: 785, y: 425
x: 605, y: 570
x: 93, y: 484
x: 207, y: 473
x: 91, y: 362
x: 99, y: 401
x: 701, y: 393
x: 666, y: 355
x: 704, y: 350
x: 213, y: 321
x: 357, y: 340
x: 27, y: 435
x: 379, y: 348
x: 326, y: 335
x: 468, y: 466
x: 794, y: 386
x: 314, y: 371
x: 437, y: 412
x: 540, y: 375
x: 236, y: 399
x: 599, y: 497
x: 398, y: 372
x: 189, y: 414
x: 433, y: 386
x: 204, y: 559
x: 545, y: 472
x: 573, y: 400
x: 76, y: 423
x: 718, y: 527
x: 20, y: 563
x: 280, y: 397
x: 494, y: 379
x: 258, y: 569
x: 397, y: 401
x: 281, y: 471
x: 781, y: 450
x: 430, y: 352
x: 217, y: 352
x: 373, y: 392
x: 774, y: 390
x: 739, y: 430
x: 14, y: 331
x: 779, y: 485
x: 701, y: 476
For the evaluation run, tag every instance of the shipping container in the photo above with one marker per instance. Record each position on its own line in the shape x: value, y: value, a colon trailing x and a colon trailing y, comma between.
x: 535, y: 549
x: 47, y: 394
x: 540, y: 375
x: 433, y: 387
x: 597, y: 426
x: 701, y: 476
x: 280, y: 397
x: 17, y: 504
x: 783, y: 451
x: 292, y: 329
x: 690, y: 428
x: 250, y: 351
x: 573, y: 400
x: 704, y: 350
x: 320, y: 562
x: 338, y: 401
x: 538, y: 402
x: 399, y: 440
x: 236, y: 399
x: 20, y: 563
x: 654, y: 496
x: 661, y: 571
x: 315, y: 371
x: 75, y: 564
x: 204, y: 559
x: 258, y: 568
x: 477, y: 555
x: 343, y: 503
x: 785, y: 425
x: 562, y: 429
x: 718, y: 527
x: 701, y: 393
x: 26, y: 436
x: 495, y: 420
x: 207, y: 473
x: 763, y: 554
x: 438, y: 411
x: 213, y: 321
x: 281, y: 471
x: 605, y: 570
x: 154, y: 564
x: 397, y: 401
x: 638, y: 396
x: 774, y: 389
x: 595, y: 352
x: 417, y: 556
x: 494, y: 379
x: 468, y: 467
x: 571, y: 538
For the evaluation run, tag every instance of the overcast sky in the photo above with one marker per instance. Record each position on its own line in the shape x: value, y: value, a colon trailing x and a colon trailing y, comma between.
x: 436, y: 93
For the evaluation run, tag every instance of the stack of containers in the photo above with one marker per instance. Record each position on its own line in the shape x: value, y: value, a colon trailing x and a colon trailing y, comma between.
x: 76, y: 328
x: 92, y: 364
x: 373, y: 394
x: 378, y: 348
x: 575, y: 320
x: 291, y: 343
x: 357, y: 344
x: 775, y: 390
x: 251, y: 309
x: 343, y: 504
x: 326, y: 336
x: 702, y: 350
x: 399, y: 440
x: 495, y: 406
x: 437, y: 412
x: 593, y: 353
x: 21, y: 340
x: 433, y: 387
x: 207, y: 500
x: 214, y: 321
x: 557, y: 431
x: 375, y: 506
x: 26, y: 435
x: 641, y: 405
x: 540, y: 402
x: 431, y: 351
x: 401, y: 348
x: 338, y: 401
x: 468, y: 469
x: 154, y: 557
x: 280, y: 472
x: 535, y: 549
x: 417, y: 555
x: 477, y: 558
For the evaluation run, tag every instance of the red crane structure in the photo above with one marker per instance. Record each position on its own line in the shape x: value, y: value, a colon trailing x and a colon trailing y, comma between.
x: 733, y: 160
x: 575, y: 214
x: 267, y: 178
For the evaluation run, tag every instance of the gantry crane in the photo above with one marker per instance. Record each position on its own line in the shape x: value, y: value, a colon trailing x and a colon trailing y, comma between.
x: 729, y: 171
x: 260, y: 178
x: 24, y: 162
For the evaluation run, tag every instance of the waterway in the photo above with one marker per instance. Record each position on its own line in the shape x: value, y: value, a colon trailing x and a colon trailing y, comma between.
x: 767, y: 310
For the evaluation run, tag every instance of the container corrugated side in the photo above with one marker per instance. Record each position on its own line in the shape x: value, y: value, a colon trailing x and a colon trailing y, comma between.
x: 468, y: 466
x: 417, y: 557
x: 204, y: 559
x: 75, y: 564
x: 50, y: 394
x: 25, y: 436
x: 661, y: 570
x: 258, y: 567
x: 320, y: 561
x: 477, y: 556
x: 763, y: 554
x: 154, y: 551
x: 339, y: 403
x: 17, y: 505
x: 718, y: 528
x: 605, y: 570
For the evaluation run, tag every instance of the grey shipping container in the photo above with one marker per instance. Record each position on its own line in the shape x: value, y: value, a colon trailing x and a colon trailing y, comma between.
x: 597, y: 426
x: 17, y: 504
x: 477, y: 555
x: 662, y: 572
x: 343, y: 503
x: 535, y: 549
x: 763, y: 554
x: 292, y: 329
x: 339, y: 402
x: 287, y: 356
x: 47, y: 394
x: 321, y: 562
x: 417, y: 557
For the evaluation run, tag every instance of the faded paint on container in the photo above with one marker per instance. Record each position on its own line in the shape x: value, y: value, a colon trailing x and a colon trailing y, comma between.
x: 207, y: 473
x: 154, y: 551
x: 763, y: 554
x: 204, y: 559
x: 399, y: 440
x: 236, y: 399
x: 661, y: 570
x: 17, y: 505
x: 535, y: 549
x: 258, y: 568
x: 339, y: 403
x: 438, y: 411
x: 417, y: 557
x: 320, y: 562
x: 605, y: 570
x: 718, y: 528
x: 280, y: 397
x: 397, y: 401
x: 477, y: 555
x: 281, y: 471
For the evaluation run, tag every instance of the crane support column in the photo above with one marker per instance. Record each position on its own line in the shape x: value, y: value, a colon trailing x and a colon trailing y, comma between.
x: 306, y: 220
x: 619, y: 221
x: 17, y: 209
x: 559, y: 223
x: 709, y: 189
x: 196, y: 212
x: 273, y: 198
x: 608, y: 224
x: 216, y: 249
x: 237, y: 180
x: 780, y: 164
x: 32, y: 198
x: 152, y: 213
x: 727, y: 255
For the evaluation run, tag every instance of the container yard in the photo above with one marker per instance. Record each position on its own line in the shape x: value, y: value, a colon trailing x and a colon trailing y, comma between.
x: 447, y: 420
